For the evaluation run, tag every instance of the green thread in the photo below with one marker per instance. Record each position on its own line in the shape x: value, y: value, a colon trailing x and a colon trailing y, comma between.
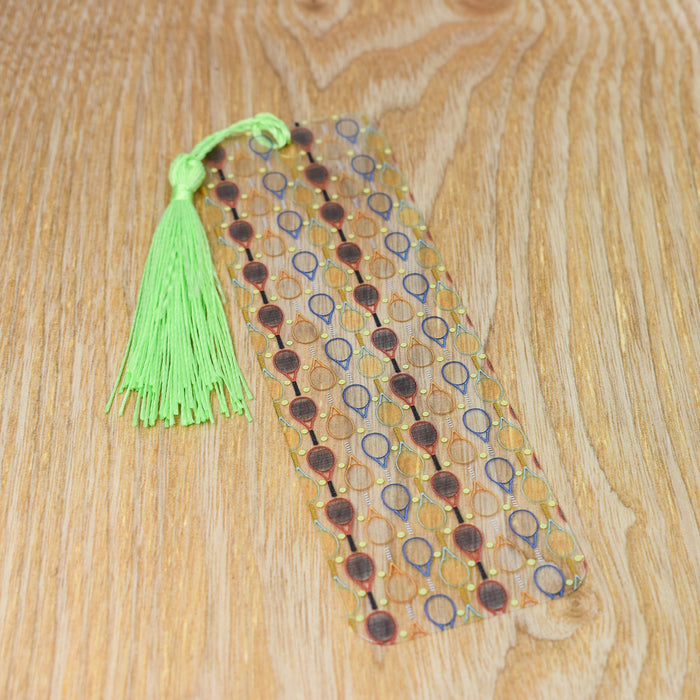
x: 180, y: 348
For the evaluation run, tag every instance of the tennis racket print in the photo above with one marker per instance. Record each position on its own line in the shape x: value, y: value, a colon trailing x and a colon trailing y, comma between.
x: 411, y: 460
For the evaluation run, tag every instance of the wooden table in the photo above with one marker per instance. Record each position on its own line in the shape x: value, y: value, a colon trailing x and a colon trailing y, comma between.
x: 556, y: 151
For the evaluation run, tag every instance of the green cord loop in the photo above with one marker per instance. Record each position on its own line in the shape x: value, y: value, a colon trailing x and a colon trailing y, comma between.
x: 259, y: 124
x: 187, y: 172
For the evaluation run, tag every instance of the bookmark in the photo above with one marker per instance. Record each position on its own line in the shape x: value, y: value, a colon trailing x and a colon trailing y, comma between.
x: 433, y: 507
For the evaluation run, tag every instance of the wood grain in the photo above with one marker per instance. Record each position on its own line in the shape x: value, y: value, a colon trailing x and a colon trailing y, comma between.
x: 555, y: 149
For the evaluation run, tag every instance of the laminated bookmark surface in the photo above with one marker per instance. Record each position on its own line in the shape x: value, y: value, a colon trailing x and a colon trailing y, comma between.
x: 414, y: 465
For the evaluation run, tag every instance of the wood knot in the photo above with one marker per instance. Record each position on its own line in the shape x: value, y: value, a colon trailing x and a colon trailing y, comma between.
x: 482, y: 5
x: 314, y: 6
x: 581, y: 606
x: 559, y: 619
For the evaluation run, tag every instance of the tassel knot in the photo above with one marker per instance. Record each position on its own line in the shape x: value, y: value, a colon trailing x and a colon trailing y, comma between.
x: 186, y: 174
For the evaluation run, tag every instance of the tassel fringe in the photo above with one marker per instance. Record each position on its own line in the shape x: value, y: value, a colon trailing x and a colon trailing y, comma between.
x: 180, y: 348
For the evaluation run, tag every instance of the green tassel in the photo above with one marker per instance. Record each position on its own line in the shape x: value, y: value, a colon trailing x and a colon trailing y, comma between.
x: 180, y: 347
